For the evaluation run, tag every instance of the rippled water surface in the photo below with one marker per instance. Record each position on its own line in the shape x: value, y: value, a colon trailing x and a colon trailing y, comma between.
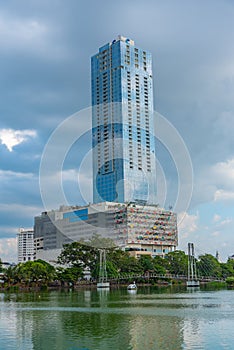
x: 151, y: 318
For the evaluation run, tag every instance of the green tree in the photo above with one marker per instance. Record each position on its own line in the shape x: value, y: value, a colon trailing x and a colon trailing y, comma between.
x: 208, y: 265
x: 38, y: 272
x: 177, y: 262
x: 70, y: 274
x: 23, y: 273
x: 123, y: 262
x: 10, y: 276
x: 230, y: 267
x: 224, y: 270
x: 35, y: 271
x: 147, y: 263
x: 160, y: 265
x: 78, y: 254
x: 111, y: 269
x: 84, y: 254
x: 51, y: 274
x: 230, y: 281
x: 98, y: 242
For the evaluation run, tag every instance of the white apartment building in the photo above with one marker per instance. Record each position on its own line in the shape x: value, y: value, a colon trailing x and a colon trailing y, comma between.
x: 25, y: 242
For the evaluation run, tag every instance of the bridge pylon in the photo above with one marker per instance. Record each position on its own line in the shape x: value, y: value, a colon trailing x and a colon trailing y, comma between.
x: 192, y: 270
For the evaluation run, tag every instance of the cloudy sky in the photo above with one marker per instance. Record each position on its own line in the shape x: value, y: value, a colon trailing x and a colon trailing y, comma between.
x: 45, y: 78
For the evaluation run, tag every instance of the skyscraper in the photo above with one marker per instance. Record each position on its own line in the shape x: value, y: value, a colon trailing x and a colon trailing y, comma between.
x: 124, y: 168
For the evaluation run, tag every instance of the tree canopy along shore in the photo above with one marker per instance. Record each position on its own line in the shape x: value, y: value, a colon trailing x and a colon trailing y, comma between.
x: 78, y: 258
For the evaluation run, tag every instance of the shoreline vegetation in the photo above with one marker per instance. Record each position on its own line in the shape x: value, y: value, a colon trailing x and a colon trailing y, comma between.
x: 93, y: 285
x: 78, y: 267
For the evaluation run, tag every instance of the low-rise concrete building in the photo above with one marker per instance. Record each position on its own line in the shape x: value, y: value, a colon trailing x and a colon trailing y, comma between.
x: 139, y: 229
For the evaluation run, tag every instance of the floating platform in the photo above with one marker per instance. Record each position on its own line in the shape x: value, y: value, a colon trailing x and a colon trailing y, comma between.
x: 193, y: 283
x: 103, y: 285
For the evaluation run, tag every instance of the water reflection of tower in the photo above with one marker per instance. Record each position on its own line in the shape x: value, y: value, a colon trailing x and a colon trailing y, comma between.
x: 192, y: 332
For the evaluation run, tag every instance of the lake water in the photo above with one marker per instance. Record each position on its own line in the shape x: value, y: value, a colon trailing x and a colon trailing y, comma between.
x: 151, y: 318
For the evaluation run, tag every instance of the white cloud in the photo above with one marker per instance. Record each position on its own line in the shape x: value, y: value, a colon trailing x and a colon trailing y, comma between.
x: 222, y: 195
x: 215, y: 233
x: 11, y: 138
x: 70, y: 175
x: 188, y: 229
x: 8, y: 249
x: 215, y: 183
x: 6, y: 174
x: 227, y: 221
x: 24, y: 211
x: 224, y: 171
x: 187, y: 224
x: 216, y: 218
x: 86, y: 186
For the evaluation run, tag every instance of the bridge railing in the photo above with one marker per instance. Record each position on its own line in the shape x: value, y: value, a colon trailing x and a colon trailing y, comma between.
x: 166, y: 276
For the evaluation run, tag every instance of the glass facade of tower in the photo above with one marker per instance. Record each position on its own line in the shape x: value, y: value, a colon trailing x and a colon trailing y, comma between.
x: 124, y: 168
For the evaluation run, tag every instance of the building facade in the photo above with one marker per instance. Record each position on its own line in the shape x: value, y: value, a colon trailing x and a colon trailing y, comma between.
x: 124, y: 168
x: 25, y: 241
x: 135, y: 228
x: 47, y: 234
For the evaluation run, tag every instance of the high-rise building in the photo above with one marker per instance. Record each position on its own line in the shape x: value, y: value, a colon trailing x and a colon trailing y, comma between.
x: 25, y: 245
x: 124, y: 168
